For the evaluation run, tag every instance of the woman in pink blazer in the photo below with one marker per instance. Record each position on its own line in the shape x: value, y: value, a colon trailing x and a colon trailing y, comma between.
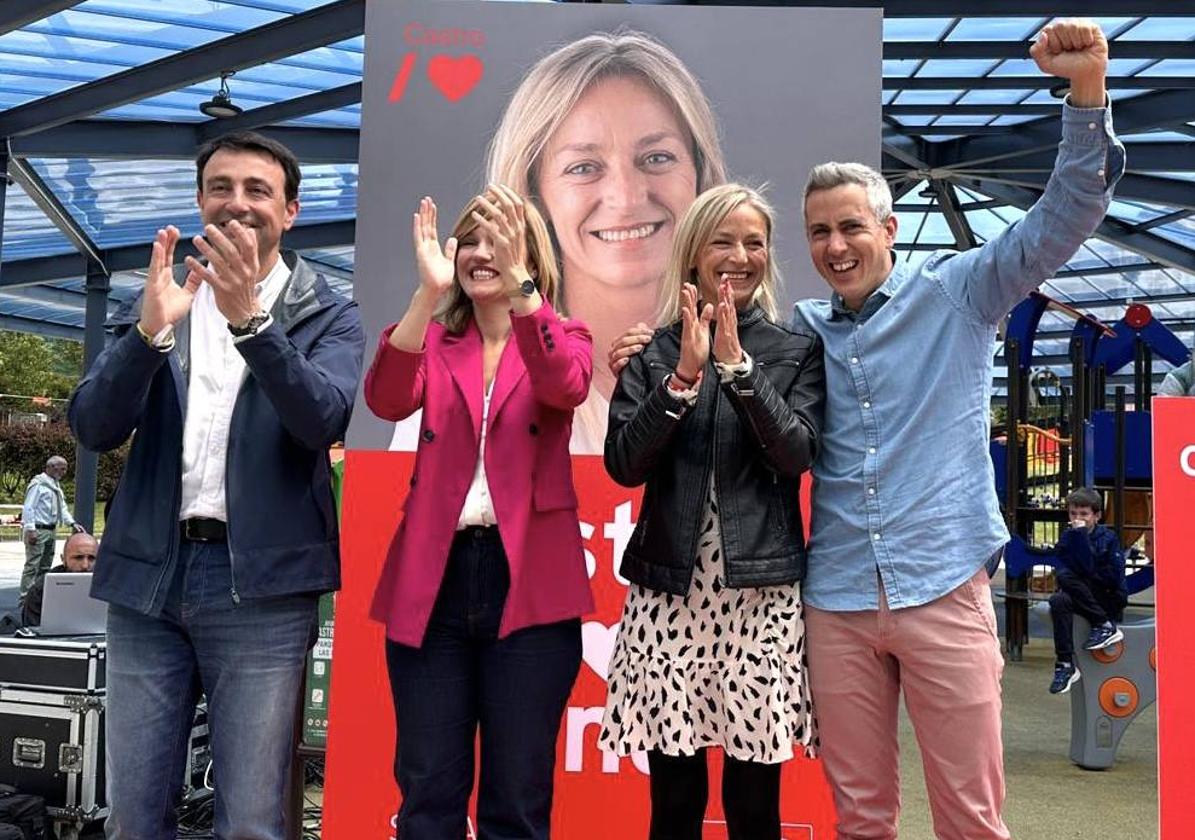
x: 485, y: 580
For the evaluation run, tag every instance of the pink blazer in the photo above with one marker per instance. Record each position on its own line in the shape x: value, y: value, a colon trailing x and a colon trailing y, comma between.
x: 543, y: 374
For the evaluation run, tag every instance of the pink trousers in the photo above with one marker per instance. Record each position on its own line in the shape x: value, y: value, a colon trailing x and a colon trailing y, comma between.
x: 945, y: 655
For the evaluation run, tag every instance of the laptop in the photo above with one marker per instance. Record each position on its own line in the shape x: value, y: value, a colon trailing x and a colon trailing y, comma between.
x: 68, y: 609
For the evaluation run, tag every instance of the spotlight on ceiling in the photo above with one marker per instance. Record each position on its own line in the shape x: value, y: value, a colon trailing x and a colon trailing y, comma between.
x: 221, y: 106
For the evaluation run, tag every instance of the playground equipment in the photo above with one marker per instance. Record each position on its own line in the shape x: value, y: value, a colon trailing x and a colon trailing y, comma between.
x: 1117, y: 684
x: 1076, y: 439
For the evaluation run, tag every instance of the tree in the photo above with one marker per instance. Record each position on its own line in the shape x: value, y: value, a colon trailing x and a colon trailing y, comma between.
x: 31, y: 365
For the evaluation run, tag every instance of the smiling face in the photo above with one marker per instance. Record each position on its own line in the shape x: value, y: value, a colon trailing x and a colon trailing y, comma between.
x: 849, y: 248
x: 475, y: 269
x: 737, y: 251
x: 615, y: 178
x: 250, y: 187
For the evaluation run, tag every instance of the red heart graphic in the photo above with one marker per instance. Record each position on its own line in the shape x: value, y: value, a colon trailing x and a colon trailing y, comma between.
x: 455, y: 77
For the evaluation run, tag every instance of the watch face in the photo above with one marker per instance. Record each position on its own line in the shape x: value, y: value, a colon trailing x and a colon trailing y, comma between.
x: 527, y: 287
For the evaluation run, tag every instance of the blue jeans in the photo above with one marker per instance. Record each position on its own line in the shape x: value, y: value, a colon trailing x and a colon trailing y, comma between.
x: 464, y: 678
x: 247, y: 658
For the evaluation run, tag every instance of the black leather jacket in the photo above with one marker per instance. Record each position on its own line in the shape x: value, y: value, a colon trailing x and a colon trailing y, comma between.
x: 757, y: 433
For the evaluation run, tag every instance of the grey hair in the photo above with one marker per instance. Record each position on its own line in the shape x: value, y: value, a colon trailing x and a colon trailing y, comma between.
x: 56, y: 461
x: 827, y: 176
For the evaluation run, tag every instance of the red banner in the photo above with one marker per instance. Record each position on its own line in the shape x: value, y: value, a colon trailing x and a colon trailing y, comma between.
x: 598, y: 795
x: 1174, y: 500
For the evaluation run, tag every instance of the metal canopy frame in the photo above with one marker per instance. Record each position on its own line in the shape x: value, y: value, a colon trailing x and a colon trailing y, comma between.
x: 999, y: 150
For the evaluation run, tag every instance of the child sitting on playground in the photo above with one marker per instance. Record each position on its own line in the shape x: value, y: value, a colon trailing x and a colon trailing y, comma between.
x: 1091, y: 582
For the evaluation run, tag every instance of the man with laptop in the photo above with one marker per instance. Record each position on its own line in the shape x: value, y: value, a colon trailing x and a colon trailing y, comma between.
x: 78, y: 555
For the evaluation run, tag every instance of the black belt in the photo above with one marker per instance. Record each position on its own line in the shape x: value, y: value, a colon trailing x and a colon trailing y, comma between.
x: 478, y: 532
x: 44, y: 526
x: 201, y: 529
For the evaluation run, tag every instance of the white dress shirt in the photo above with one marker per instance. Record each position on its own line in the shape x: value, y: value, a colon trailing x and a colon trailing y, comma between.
x: 217, y: 371
x: 479, y: 507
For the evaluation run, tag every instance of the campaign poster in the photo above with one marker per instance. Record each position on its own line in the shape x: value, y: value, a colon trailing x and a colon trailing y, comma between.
x: 457, y: 95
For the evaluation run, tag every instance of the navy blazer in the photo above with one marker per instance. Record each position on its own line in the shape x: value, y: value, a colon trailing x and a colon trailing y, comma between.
x: 294, y: 404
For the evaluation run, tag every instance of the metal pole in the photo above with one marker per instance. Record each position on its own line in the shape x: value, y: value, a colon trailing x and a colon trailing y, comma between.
x: 1141, y: 365
x: 86, y: 461
x: 1118, y: 486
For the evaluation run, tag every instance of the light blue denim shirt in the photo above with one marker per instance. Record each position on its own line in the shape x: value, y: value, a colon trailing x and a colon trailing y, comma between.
x: 903, y: 483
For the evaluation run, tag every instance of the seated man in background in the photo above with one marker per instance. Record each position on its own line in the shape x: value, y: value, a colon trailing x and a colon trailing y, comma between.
x: 78, y: 555
x: 1090, y: 583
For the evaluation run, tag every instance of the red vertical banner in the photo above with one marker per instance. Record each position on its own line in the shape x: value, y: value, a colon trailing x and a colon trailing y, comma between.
x: 598, y: 795
x: 1174, y: 500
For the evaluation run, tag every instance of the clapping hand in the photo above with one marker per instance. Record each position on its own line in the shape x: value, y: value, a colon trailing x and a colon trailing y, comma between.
x: 694, y: 336
x: 165, y: 303
x: 727, y: 349
x: 504, y: 219
x: 232, y: 269
x: 436, y: 267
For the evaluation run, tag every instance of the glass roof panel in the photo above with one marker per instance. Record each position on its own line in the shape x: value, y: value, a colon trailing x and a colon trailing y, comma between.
x: 1182, y: 232
x: 914, y: 119
x: 1113, y: 254
x: 1156, y: 282
x: 915, y: 197
x: 1136, y: 211
x: 962, y: 119
x: 1171, y: 67
x: 1017, y: 67
x: 1072, y: 290
x: 927, y: 97
x: 1181, y: 308
x: 995, y: 29
x: 1157, y: 136
x: 123, y: 202
x: 899, y: 67
x: 101, y: 37
x: 952, y: 67
x: 27, y: 231
x: 924, y: 229
x: 992, y: 97
x: 1159, y: 28
x: 1028, y: 67
x: 1013, y: 119
x: 915, y: 29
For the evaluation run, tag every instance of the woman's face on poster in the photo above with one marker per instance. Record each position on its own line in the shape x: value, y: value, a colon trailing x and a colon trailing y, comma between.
x: 615, y: 179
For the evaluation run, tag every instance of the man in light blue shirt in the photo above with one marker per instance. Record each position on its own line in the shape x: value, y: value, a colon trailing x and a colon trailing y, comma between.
x: 44, y: 510
x: 905, y: 513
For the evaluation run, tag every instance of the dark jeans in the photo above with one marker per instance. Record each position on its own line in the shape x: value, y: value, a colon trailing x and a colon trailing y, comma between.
x: 1084, y: 596
x: 464, y: 678
x: 680, y: 788
x: 247, y: 658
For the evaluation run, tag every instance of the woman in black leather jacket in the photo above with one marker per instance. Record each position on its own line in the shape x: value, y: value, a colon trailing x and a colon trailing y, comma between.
x: 719, y: 415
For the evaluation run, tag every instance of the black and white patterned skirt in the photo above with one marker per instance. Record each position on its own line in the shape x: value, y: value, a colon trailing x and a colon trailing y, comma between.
x: 717, y: 667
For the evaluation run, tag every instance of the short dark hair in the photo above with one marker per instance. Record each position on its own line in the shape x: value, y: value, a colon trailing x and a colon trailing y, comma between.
x: 251, y: 141
x: 1086, y: 497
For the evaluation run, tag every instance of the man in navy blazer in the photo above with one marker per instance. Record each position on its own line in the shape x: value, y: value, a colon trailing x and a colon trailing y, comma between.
x: 222, y: 533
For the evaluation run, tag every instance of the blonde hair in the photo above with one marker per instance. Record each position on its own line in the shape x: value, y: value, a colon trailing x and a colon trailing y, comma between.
x: 554, y: 85
x: 456, y: 311
x: 696, y: 228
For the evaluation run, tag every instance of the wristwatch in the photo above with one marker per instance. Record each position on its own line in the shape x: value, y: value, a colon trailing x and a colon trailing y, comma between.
x: 251, y: 326
x: 527, y: 287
